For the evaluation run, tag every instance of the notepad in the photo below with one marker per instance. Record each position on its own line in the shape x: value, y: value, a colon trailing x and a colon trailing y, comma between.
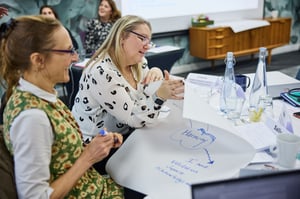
x: 290, y: 99
x: 258, y: 134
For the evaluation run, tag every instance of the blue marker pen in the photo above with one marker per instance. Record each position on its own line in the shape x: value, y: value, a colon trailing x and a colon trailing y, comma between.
x: 103, y: 132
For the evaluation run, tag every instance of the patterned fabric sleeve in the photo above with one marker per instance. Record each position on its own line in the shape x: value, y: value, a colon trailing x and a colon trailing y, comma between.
x: 117, y: 98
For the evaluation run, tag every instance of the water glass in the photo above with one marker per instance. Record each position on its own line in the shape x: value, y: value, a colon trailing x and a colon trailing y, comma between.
x: 263, y: 110
x: 268, y: 105
x: 235, y: 113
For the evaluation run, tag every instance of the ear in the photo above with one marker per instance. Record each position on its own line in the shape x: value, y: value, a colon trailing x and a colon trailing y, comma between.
x: 37, y: 60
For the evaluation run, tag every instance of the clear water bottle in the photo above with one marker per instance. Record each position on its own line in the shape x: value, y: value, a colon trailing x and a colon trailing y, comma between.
x: 228, y: 94
x: 259, y: 97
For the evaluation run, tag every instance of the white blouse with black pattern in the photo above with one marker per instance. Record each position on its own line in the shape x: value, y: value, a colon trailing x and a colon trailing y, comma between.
x: 106, y: 99
x: 95, y: 34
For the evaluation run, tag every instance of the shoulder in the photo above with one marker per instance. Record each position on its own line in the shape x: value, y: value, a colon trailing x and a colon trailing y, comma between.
x: 104, y: 67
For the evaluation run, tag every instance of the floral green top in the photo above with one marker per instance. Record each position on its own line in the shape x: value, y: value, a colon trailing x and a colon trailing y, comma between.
x: 66, y: 148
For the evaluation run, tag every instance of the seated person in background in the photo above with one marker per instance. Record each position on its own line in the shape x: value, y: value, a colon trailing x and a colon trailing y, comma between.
x: 50, y: 159
x: 111, y: 89
x: 50, y: 12
x: 98, y: 28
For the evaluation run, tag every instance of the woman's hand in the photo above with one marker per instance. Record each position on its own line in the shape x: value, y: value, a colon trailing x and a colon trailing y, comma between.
x: 154, y: 74
x: 100, y: 147
x: 118, y: 140
x: 171, y: 88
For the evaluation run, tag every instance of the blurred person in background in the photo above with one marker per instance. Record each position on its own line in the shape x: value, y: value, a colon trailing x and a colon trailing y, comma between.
x: 50, y: 12
x: 98, y: 28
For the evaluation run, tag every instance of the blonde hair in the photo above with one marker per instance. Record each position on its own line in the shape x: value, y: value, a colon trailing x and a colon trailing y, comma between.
x: 112, y: 44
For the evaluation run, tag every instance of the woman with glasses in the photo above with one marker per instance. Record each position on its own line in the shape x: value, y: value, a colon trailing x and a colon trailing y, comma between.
x: 50, y: 158
x: 112, y: 89
x: 98, y: 28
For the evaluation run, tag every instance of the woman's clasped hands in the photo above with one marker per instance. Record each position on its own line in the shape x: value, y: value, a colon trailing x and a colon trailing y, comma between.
x: 170, y: 88
x: 153, y: 75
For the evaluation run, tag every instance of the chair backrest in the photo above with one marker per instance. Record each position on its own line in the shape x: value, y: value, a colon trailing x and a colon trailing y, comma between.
x: 298, y: 74
x: 7, y: 176
x: 73, y: 85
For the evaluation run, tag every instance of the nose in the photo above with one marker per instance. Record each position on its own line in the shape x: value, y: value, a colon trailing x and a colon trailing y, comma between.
x: 75, y: 57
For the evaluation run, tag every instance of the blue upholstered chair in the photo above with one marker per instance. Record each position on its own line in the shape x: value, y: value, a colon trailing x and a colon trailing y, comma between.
x: 298, y: 75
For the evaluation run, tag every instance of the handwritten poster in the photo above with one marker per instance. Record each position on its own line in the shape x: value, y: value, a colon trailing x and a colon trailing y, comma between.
x: 163, y: 161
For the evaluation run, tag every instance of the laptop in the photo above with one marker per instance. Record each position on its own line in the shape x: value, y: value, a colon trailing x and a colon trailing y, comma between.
x: 274, y: 185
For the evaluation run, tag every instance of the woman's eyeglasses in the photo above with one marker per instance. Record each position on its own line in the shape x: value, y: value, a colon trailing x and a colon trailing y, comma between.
x: 145, y: 40
x: 72, y: 51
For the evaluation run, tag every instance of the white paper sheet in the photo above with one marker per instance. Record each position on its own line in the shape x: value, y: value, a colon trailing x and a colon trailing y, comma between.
x: 258, y: 134
x: 152, y: 87
x: 164, y: 160
x: 196, y: 106
x: 242, y: 25
x: 262, y: 157
x: 161, y: 49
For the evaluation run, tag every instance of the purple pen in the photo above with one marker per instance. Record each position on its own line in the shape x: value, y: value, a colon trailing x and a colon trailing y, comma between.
x: 103, y: 132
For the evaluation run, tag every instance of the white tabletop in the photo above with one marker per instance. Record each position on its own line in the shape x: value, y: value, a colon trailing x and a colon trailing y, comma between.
x: 162, y: 159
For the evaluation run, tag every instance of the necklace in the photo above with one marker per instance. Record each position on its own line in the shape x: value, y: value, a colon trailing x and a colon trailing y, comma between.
x: 128, y: 75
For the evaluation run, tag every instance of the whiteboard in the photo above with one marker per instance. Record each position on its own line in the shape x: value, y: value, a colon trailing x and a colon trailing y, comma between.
x: 174, y: 15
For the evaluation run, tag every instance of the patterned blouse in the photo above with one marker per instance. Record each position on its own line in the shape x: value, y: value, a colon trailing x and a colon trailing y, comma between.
x: 106, y: 99
x: 95, y: 35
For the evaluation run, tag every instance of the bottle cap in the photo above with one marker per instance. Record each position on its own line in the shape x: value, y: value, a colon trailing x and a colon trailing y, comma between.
x: 229, y: 56
x: 229, y: 59
x: 262, y: 49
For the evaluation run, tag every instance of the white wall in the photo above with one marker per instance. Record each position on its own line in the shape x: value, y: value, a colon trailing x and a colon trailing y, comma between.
x: 172, y: 15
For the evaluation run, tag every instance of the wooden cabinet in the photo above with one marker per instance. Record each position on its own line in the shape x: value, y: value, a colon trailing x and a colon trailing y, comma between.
x: 213, y: 43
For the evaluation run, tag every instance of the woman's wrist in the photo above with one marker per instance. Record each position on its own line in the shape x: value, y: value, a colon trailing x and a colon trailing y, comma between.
x: 158, y: 100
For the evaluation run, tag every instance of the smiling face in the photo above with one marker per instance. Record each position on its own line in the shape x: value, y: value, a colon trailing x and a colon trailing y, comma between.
x: 58, y: 63
x: 104, y: 10
x: 136, y: 44
x: 54, y: 67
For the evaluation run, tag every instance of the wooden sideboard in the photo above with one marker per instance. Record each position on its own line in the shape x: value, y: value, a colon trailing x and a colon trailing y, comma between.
x: 214, y: 42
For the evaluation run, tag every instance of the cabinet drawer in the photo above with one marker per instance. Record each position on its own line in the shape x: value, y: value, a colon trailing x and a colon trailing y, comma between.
x: 215, y: 42
x: 219, y: 33
x: 219, y: 41
x: 219, y: 46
